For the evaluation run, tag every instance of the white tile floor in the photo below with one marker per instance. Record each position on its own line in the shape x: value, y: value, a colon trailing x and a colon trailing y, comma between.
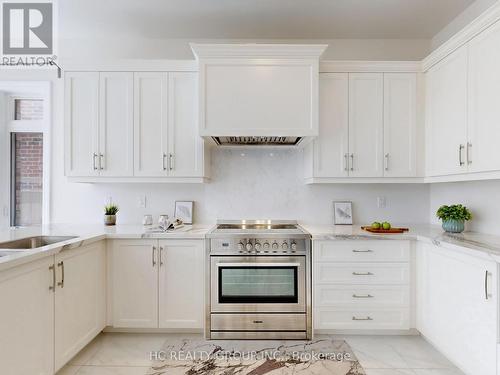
x: 128, y: 354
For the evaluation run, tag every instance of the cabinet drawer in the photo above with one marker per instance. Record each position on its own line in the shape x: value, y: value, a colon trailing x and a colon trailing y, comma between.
x: 361, y: 273
x: 330, y: 318
x: 258, y: 322
x: 362, y: 251
x: 361, y: 296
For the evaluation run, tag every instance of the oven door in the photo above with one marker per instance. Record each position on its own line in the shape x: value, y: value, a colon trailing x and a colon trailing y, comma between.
x: 258, y: 284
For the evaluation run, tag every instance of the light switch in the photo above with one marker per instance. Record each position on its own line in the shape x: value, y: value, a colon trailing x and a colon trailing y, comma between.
x: 141, y: 201
x: 381, y: 202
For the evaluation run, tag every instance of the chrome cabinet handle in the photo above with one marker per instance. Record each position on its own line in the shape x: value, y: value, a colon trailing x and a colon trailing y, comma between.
x: 100, y: 161
x: 61, y: 283
x: 487, y: 295
x: 362, y: 251
x: 53, y: 286
x: 352, y: 162
x: 460, y: 148
x: 153, y: 256
x: 161, y: 257
x: 94, y: 166
x: 171, y: 161
x: 258, y: 321
x: 346, y: 162
x: 362, y: 296
x: 386, y: 162
x: 469, y: 159
x: 163, y: 162
x: 367, y: 318
x: 362, y: 274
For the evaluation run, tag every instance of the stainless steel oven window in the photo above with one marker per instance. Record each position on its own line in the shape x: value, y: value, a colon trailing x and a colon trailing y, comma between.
x: 257, y: 284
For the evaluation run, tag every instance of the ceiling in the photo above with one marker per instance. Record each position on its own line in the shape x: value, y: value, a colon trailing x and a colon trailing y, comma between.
x: 267, y: 19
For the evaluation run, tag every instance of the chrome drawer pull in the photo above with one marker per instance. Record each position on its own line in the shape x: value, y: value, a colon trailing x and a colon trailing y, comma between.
x: 258, y: 321
x: 362, y: 296
x: 367, y: 318
x: 362, y: 274
x: 487, y: 295
x: 362, y: 251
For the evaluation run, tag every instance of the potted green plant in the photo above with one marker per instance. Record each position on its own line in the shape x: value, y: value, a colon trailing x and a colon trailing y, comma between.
x: 110, y: 211
x: 453, y: 217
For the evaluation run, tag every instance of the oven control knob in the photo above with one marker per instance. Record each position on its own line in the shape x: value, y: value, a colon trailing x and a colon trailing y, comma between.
x: 249, y: 246
x: 257, y: 246
x: 275, y: 246
x: 240, y: 246
x: 284, y: 246
x: 294, y: 246
x: 266, y: 245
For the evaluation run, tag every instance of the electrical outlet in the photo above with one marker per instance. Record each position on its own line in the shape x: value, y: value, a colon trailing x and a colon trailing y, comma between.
x: 141, y: 201
x: 381, y: 202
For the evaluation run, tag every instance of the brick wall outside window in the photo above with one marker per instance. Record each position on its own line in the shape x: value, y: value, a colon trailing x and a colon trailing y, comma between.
x: 28, y: 178
x: 28, y: 109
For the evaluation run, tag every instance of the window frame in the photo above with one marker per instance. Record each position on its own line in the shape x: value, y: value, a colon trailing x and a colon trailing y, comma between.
x: 27, y: 90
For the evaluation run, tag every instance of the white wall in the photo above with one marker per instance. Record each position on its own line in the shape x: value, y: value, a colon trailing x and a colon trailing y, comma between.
x: 252, y: 184
x: 130, y: 47
x: 481, y: 197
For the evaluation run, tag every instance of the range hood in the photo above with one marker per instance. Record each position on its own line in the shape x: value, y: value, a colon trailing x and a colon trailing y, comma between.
x: 258, y: 94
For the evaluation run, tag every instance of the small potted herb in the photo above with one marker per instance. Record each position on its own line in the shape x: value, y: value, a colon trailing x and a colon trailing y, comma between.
x: 453, y: 217
x: 110, y: 211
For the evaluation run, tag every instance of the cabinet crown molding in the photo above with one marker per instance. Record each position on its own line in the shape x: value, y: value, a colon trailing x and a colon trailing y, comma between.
x: 254, y: 50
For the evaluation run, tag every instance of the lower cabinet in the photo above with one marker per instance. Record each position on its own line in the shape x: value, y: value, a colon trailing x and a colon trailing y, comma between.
x: 51, y: 308
x: 361, y: 285
x: 457, y: 306
x: 27, y: 319
x: 157, y: 284
x: 80, y: 303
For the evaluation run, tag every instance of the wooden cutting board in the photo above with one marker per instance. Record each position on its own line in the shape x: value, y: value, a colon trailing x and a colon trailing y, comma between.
x: 385, y: 231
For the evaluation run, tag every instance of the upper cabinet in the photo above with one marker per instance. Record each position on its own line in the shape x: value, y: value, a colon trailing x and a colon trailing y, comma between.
x: 367, y: 128
x: 258, y: 89
x: 123, y: 126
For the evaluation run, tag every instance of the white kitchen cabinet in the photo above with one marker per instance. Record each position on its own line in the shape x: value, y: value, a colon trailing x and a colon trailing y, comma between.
x: 151, y: 124
x: 99, y: 124
x: 366, y: 95
x: 330, y: 150
x: 185, y: 146
x: 82, y: 119
x: 116, y: 156
x: 80, y: 299
x: 400, y: 130
x: 483, y: 153
x: 27, y: 319
x: 446, y: 104
x: 457, y: 306
x: 181, y: 292
x: 134, y: 277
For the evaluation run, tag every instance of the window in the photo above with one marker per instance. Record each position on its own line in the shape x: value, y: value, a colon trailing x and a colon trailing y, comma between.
x: 26, y: 179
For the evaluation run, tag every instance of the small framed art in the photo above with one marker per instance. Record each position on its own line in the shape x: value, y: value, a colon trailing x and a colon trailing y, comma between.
x: 342, y: 213
x: 184, y: 211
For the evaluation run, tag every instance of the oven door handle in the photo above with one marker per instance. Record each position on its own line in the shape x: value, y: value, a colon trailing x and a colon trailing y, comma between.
x: 253, y: 264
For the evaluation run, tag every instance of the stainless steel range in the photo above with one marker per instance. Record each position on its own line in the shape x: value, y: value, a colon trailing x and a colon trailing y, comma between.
x: 259, y: 281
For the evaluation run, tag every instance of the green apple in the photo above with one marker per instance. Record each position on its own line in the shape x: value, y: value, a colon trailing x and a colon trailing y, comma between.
x: 376, y: 225
x: 386, y: 225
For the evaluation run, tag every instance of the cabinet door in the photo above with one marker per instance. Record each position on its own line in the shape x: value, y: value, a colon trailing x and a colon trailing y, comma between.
x: 80, y: 305
x: 460, y: 307
x: 331, y: 146
x: 27, y: 319
x: 81, y: 123
x: 400, y: 124
x: 134, y: 269
x: 484, y: 99
x: 116, y: 129
x: 182, y: 284
x: 185, y: 146
x: 150, y: 124
x: 366, y: 124
x: 447, y: 115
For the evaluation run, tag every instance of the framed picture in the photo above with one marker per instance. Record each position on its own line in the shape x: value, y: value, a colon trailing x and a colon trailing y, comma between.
x: 184, y: 211
x: 342, y: 213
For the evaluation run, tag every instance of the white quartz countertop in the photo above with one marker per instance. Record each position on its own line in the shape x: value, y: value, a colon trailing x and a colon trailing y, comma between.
x: 84, y: 234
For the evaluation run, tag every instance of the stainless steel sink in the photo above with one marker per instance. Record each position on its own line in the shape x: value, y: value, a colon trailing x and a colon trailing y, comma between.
x: 34, y: 242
